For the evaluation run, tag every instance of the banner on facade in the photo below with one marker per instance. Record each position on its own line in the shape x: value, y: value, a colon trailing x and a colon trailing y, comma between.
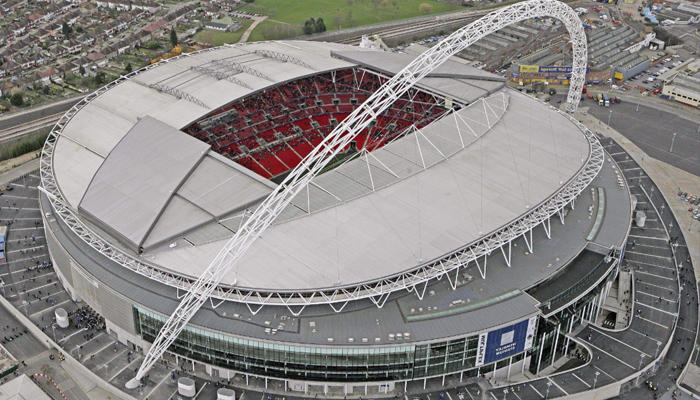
x: 505, y: 342
x: 536, y: 69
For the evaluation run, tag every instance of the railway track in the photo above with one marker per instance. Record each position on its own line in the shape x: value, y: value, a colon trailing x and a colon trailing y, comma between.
x: 23, y: 129
x: 438, y: 22
x: 464, y: 17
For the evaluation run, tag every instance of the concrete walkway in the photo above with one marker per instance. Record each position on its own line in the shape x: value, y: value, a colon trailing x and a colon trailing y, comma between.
x: 17, y: 167
x: 250, y: 29
x: 667, y: 177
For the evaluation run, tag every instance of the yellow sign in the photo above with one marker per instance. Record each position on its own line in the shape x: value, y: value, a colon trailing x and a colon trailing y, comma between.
x: 529, y: 69
x: 618, y: 76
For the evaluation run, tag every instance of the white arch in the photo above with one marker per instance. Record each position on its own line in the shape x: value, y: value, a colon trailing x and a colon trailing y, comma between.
x: 345, y: 132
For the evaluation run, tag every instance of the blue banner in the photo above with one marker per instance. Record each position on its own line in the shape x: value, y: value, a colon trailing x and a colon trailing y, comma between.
x: 505, y: 342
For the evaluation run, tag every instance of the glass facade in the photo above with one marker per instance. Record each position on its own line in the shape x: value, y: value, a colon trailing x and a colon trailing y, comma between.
x: 336, y: 364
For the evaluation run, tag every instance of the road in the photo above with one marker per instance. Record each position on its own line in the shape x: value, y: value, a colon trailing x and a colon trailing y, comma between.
x: 652, y: 129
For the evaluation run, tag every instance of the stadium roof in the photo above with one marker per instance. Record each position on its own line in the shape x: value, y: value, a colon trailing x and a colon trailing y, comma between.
x: 475, y: 305
x: 445, y: 197
x: 519, y: 163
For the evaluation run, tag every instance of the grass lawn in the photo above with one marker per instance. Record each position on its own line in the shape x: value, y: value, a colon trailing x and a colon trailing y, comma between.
x: 217, y: 38
x: 344, y: 13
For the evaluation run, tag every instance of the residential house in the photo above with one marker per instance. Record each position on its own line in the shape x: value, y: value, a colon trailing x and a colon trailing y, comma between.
x: 47, y: 76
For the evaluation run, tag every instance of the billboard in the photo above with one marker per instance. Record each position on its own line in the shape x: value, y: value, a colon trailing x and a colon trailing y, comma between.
x: 525, y: 69
x: 536, y: 69
x: 505, y: 342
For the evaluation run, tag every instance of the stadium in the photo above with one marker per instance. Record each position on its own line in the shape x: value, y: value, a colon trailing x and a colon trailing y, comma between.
x: 464, y: 231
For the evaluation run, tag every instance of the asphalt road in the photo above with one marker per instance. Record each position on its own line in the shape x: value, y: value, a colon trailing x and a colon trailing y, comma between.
x: 652, y: 130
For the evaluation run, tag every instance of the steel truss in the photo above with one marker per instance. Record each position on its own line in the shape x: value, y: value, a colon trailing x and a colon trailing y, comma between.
x: 334, y: 297
x: 207, y: 284
x: 173, y: 92
x: 207, y: 287
x: 220, y: 75
x: 242, y: 68
x: 283, y: 57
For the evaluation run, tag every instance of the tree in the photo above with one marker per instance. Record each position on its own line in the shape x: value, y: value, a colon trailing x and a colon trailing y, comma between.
x: 100, y: 78
x: 173, y: 37
x: 66, y: 29
x: 46, y: 90
x: 17, y: 100
x: 81, y: 70
x: 128, y: 68
x: 320, y: 25
x: 79, y: 29
x: 310, y: 26
x: 425, y: 8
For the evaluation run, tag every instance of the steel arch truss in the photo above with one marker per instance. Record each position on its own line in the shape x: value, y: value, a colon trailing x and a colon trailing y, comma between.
x: 207, y: 285
x: 348, y: 129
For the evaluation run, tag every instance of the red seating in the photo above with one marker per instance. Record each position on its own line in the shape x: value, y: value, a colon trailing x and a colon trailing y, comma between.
x: 274, y: 118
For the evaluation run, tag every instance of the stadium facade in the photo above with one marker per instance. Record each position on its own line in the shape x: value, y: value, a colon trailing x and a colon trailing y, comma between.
x: 466, y: 231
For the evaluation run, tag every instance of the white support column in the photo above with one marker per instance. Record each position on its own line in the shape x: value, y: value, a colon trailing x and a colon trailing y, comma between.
x: 556, y: 342
x: 547, y: 228
x: 507, y: 257
x: 510, y: 363
x: 568, y: 330
x: 539, y: 358
x: 528, y: 242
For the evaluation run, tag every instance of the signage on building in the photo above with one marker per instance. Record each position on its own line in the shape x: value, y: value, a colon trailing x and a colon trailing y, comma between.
x: 505, y: 342
x: 534, y: 69
x: 529, y: 69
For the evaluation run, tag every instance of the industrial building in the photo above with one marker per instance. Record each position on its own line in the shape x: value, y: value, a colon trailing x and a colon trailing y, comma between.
x: 612, y: 54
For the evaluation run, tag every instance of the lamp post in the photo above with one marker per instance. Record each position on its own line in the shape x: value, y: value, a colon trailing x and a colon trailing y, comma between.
x: 505, y: 393
x: 77, y: 347
x: 609, y: 115
x: 658, y: 345
x: 595, y: 380
x: 549, y: 385
x: 673, y: 141
x: 53, y: 327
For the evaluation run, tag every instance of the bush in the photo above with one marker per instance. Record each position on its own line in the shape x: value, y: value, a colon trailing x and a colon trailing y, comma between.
x: 152, y: 44
x: 279, y: 31
x: 425, y: 8
x: 17, y: 100
x: 24, y: 146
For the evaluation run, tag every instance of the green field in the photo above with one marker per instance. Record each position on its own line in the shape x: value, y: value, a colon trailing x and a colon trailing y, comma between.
x: 339, y: 13
x: 217, y: 38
